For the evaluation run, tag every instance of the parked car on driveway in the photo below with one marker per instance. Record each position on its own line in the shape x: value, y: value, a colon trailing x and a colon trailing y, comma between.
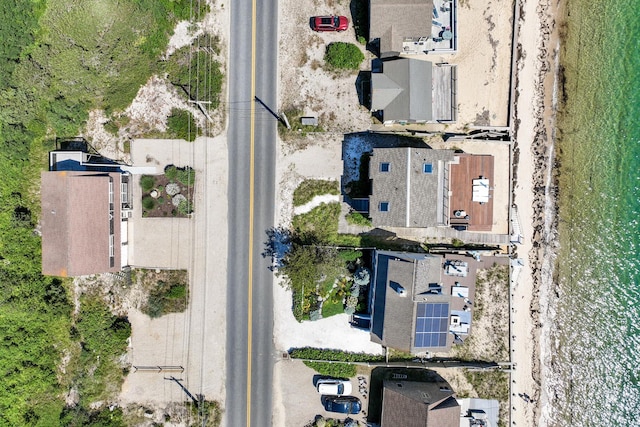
x: 334, y: 387
x: 342, y: 404
x: 329, y: 23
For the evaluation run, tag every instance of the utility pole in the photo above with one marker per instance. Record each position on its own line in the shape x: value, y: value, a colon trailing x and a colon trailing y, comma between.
x: 200, y: 106
x: 284, y: 121
x: 198, y: 399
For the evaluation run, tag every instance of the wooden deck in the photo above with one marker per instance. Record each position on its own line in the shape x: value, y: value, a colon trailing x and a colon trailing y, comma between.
x: 461, y: 189
x: 443, y: 84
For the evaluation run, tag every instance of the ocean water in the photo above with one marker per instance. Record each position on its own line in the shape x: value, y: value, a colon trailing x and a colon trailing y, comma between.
x: 594, y: 379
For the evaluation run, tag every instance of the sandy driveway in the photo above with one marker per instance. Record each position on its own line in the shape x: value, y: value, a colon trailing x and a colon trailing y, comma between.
x: 193, y: 339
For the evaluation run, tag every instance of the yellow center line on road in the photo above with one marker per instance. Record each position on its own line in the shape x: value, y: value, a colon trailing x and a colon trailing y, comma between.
x: 252, y: 126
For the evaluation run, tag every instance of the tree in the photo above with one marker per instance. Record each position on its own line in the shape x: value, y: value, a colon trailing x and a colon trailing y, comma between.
x: 304, y: 266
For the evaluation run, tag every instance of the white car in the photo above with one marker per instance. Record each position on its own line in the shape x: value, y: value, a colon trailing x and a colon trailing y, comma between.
x: 334, y: 387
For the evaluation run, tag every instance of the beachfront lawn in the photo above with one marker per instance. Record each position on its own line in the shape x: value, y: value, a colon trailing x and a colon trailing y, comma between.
x: 331, y: 308
x: 489, y: 338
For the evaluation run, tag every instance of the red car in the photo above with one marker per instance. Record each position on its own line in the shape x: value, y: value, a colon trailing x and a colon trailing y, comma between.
x: 329, y: 23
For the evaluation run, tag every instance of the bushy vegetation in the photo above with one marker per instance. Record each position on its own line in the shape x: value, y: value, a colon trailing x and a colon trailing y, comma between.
x: 197, y: 73
x: 333, y: 355
x: 181, y: 125
x: 186, y: 176
x: 344, y: 56
x: 489, y: 384
x: 59, y: 58
x: 103, y: 337
x: 166, y: 298
x: 147, y: 182
x: 336, y: 370
x: 310, y: 188
x: 356, y: 218
x: 210, y: 410
x: 80, y: 417
x: 320, y: 225
x: 148, y: 203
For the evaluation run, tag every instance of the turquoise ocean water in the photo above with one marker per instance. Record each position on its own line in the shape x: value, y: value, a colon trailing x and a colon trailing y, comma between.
x: 595, y: 374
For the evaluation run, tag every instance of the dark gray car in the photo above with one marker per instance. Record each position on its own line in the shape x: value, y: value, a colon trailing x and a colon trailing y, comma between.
x: 342, y: 404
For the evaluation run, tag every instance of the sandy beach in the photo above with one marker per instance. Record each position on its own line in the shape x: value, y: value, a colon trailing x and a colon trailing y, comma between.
x: 534, y: 195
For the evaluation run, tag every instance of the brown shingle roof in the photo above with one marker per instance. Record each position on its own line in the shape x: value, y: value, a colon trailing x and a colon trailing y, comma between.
x: 419, y: 404
x: 76, y: 224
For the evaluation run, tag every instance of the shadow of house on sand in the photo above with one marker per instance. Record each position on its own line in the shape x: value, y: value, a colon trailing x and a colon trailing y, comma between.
x: 363, y: 88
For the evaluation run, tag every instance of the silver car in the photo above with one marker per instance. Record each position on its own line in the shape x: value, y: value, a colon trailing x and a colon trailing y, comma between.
x: 334, y: 387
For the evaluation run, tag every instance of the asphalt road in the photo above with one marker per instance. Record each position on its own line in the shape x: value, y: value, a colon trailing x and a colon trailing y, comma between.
x: 252, y: 146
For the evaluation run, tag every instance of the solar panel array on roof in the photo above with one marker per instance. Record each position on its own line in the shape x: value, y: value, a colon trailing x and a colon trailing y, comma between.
x: 432, y: 325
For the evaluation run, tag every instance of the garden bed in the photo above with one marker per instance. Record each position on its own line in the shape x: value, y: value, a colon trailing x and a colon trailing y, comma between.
x: 168, y: 195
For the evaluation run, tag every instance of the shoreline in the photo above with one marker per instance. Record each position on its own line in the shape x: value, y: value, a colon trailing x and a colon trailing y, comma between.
x: 538, y: 80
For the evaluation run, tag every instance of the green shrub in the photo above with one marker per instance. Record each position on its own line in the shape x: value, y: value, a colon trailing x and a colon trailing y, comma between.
x: 356, y: 218
x: 344, y: 56
x: 177, y: 291
x: 181, y: 124
x: 166, y: 299
x: 160, y: 189
x: 310, y: 188
x: 171, y: 172
x: 362, y: 40
x: 321, y: 222
x: 148, y: 203
x: 186, y: 176
x: 337, y: 370
x: 349, y: 255
x: 185, y: 208
x: 334, y: 355
x: 161, y: 200
x: 147, y: 182
x: 111, y: 127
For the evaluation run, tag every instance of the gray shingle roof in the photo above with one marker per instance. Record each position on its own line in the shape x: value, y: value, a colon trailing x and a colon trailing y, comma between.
x: 393, y: 20
x: 414, y: 90
x: 394, y: 314
x: 416, y: 199
x: 410, y: 81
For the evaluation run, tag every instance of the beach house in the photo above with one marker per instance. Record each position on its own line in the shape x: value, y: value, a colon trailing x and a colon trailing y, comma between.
x: 413, y: 27
x: 419, y: 404
x: 86, y: 202
x: 421, y: 302
x: 414, y: 91
x: 420, y: 187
